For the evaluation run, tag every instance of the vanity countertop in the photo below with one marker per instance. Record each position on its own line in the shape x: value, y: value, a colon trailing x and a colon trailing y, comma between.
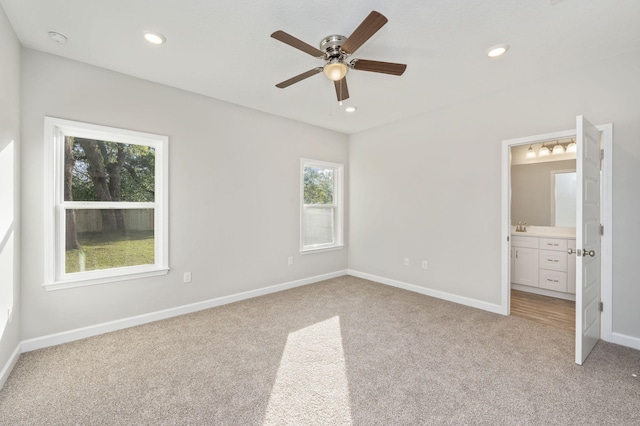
x: 546, y: 232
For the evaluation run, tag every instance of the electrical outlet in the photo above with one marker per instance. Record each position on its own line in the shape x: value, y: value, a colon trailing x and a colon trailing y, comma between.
x: 425, y: 265
x: 406, y: 261
x: 290, y: 260
x: 187, y: 277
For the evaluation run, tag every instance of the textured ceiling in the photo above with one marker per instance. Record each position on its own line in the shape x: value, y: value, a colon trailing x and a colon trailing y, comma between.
x: 222, y: 49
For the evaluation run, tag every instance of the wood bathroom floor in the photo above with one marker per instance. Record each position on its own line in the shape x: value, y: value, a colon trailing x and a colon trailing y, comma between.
x: 547, y: 310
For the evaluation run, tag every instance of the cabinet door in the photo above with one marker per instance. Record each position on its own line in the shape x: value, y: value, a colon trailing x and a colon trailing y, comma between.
x: 525, y: 266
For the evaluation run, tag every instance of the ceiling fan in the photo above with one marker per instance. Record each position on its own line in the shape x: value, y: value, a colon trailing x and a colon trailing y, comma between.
x: 335, y: 50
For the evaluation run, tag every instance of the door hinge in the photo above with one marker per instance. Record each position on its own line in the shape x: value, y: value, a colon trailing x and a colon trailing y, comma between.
x: 601, y: 307
x: 601, y: 229
x: 602, y: 154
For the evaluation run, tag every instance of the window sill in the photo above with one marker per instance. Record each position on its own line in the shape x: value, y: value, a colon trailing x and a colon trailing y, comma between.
x: 85, y: 281
x: 321, y: 249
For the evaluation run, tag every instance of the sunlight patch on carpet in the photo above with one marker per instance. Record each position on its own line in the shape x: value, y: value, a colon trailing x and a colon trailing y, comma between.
x: 311, y: 384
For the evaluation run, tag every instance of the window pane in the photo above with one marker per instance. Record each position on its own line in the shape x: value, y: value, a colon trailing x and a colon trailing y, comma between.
x: 106, y: 238
x: 97, y: 170
x: 318, y: 226
x: 318, y: 185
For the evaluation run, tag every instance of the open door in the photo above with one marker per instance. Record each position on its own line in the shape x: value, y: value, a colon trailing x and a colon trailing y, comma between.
x: 587, y: 238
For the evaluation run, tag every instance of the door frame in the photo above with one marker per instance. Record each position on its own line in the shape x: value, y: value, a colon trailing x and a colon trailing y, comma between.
x: 606, y: 218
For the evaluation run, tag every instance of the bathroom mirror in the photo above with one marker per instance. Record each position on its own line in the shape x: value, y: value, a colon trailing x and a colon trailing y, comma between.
x: 533, y: 193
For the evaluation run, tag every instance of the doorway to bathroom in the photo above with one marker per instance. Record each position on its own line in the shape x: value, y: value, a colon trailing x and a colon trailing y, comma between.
x: 542, y: 257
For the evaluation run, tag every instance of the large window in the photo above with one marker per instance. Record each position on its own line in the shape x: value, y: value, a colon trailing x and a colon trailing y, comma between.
x: 321, y: 215
x: 106, y: 217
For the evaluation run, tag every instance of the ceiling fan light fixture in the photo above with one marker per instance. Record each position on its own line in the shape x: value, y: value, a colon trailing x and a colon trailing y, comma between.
x: 335, y: 70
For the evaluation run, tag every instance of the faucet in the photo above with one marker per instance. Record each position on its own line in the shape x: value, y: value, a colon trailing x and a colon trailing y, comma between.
x: 521, y: 227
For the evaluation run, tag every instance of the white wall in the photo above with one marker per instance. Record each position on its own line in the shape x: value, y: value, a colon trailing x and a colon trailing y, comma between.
x: 429, y: 187
x: 234, y: 193
x: 9, y: 194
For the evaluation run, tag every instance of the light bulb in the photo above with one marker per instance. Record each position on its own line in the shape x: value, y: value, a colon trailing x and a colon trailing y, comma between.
x: 531, y: 153
x: 558, y: 149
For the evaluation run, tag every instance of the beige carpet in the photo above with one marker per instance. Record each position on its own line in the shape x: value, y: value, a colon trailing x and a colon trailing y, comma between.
x: 344, y: 351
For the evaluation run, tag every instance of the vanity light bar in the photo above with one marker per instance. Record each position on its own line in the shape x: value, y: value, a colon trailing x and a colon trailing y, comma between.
x: 555, y: 149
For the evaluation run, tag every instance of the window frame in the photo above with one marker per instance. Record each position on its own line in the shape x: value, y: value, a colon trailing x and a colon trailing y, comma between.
x: 338, y: 206
x: 56, y: 130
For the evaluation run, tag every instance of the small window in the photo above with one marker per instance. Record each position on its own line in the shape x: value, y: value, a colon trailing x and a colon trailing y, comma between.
x: 107, y: 204
x: 321, y: 218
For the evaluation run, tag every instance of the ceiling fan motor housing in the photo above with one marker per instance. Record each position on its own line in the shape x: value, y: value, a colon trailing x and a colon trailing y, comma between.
x: 331, y: 47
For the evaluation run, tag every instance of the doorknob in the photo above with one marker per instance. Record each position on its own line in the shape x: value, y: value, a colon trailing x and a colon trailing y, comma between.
x: 585, y: 252
x: 571, y: 251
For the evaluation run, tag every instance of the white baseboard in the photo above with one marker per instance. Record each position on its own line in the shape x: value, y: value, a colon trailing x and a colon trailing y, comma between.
x: 491, y: 307
x: 624, y: 340
x: 94, y: 330
x: 6, y: 370
x: 617, y: 338
x: 84, y: 332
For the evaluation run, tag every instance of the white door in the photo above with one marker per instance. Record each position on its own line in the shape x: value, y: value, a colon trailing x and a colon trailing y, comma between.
x: 587, y: 238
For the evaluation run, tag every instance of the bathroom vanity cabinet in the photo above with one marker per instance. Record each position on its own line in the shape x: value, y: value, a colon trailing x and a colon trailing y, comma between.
x: 542, y: 265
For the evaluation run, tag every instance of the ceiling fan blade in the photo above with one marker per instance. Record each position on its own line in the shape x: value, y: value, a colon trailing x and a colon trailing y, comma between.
x: 298, y: 44
x: 342, y: 92
x: 367, y: 28
x: 378, y: 66
x: 298, y: 78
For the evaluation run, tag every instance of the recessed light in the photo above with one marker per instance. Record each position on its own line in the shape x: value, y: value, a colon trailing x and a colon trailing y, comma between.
x: 154, y: 38
x: 58, y: 37
x: 497, y: 50
x: 351, y: 109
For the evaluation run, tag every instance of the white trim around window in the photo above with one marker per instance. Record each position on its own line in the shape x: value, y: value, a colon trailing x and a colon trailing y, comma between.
x: 331, y: 212
x: 55, y: 205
